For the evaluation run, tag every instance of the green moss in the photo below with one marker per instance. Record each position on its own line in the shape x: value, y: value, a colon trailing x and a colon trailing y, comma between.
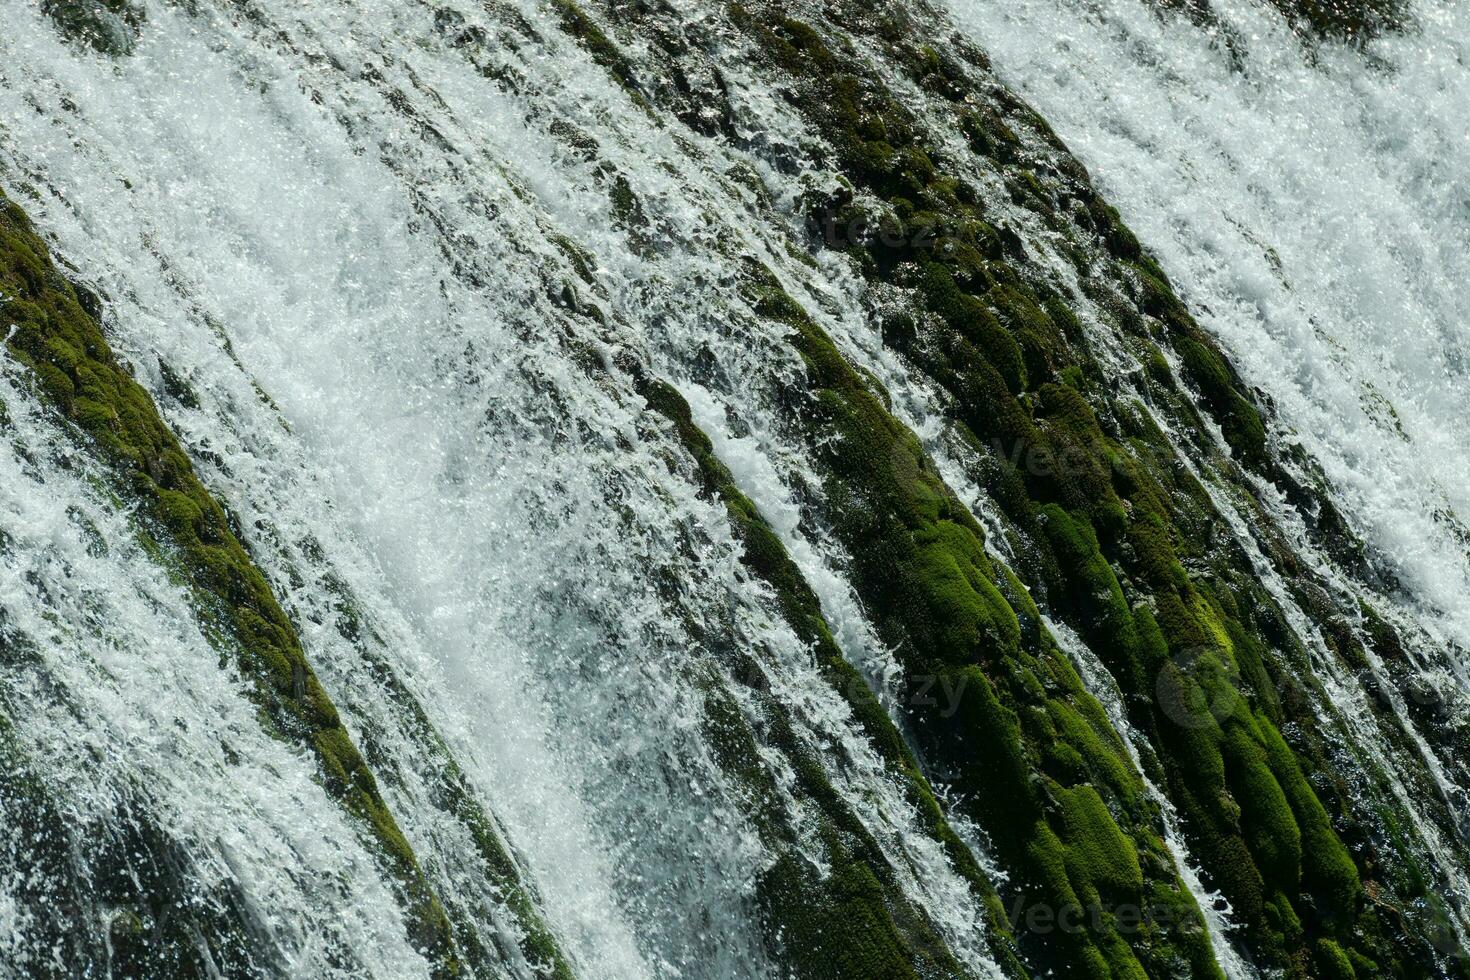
x: 975, y: 321
x: 582, y: 261
x: 1157, y: 564
x: 1100, y: 747
x: 1239, y: 420
x: 837, y: 925
x: 1033, y: 329
x: 1099, y: 857
x: 921, y: 567
x: 60, y: 341
x: 1353, y: 20
x: 626, y: 207
x: 1266, y: 819
x: 1333, y: 963
x: 988, y: 133
x: 1115, y: 529
x: 1095, y: 597
x: 816, y: 935
x: 967, y: 616
x: 576, y: 22
x: 1328, y: 871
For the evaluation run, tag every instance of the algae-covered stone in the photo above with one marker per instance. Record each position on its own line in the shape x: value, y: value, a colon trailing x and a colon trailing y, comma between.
x: 1107, y: 517
x: 851, y: 919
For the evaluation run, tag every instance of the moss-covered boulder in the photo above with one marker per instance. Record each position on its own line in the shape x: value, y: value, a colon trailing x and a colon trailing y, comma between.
x: 1110, y: 524
x: 853, y: 919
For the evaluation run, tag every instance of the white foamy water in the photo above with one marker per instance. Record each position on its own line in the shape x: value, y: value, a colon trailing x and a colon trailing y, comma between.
x: 440, y: 433
x: 350, y: 237
x: 118, y: 696
x: 1309, y: 201
x: 1312, y: 205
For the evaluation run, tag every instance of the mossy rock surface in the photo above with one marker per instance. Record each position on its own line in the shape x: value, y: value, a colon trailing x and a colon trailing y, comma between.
x: 77, y: 374
x: 1108, y: 522
x: 1020, y: 735
x: 852, y: 920
x: 1112, y: 530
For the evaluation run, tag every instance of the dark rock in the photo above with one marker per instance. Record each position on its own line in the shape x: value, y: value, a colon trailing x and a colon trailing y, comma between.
x: 110, y: 26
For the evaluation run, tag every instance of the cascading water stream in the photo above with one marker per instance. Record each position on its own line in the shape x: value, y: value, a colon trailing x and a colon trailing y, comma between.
x: 323, y: 289
x: 1307, y: 193
x: 1310, y: 198
x: 398, y: 276
x: 156, y: 744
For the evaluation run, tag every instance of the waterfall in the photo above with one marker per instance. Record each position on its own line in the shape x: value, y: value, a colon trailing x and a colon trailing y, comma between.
x: 505, y: 338
x: 1304, y: 193
x: 1308, y: 198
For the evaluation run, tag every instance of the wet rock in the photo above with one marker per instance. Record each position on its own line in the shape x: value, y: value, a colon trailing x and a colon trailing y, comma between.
x: 109, y: 26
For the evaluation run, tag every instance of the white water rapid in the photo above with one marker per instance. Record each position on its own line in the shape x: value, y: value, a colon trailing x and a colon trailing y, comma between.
x: 377, y: 265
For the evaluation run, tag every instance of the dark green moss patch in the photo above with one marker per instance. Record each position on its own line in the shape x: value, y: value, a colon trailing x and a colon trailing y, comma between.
x: 1111, y: 526
x: 1024, y: 737
x: 1351, y: 20
x: 854, y: 921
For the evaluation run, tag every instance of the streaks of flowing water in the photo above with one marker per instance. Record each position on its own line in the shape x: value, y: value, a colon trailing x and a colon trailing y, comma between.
x: 116, y: 694
x: 1310, y: 199
x: 384, y: 258
x: 428, y: 435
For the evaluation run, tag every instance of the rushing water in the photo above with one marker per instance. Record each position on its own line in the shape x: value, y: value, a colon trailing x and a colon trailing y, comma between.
x: 427, y: 439
x: 1311, y: 200
x: 135, y: 735
x: 352, y: 248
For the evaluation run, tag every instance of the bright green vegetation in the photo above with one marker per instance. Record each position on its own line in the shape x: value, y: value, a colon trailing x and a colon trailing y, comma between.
x: 1109, y: 528
x: 1048, y: 778
x: 1111, y: 532
x: 77, y: 373
x: 1106, y: 522
x: 853, y: 921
